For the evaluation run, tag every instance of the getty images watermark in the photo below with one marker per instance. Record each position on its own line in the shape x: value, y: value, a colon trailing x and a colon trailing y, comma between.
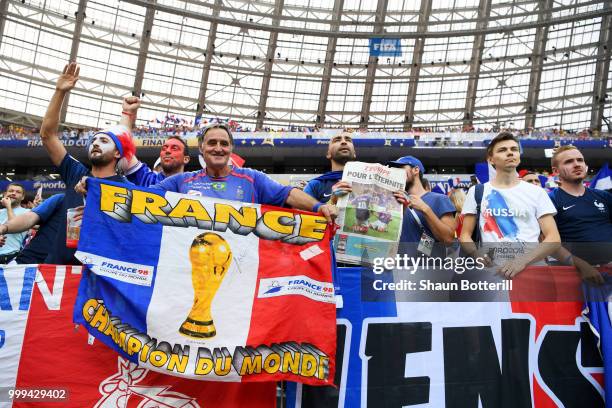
x: 431, y: 274
x: 497, y: 272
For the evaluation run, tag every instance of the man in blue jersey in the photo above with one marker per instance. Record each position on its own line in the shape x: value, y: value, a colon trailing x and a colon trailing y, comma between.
x: 174, y: 154
x: 584, y: 215
x: 108, y: 152
x: 221, y: 180
x: 340, y: 151
x: 47, y: 216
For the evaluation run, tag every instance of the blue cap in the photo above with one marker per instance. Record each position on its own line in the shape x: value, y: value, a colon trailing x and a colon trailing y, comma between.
x: 407, y: 161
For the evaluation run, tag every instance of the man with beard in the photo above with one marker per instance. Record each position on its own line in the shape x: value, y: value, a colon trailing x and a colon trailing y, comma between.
x: 108, y: 151
x: 10, y: 244
x: 174, y: 154
x: 339, y: 152
x: 584, y: 216
x: 428, y: 217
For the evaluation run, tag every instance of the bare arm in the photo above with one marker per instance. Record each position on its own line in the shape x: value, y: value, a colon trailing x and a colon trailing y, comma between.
x: 550, y: 244
x: 587, y: 272
x: 20, y: 223
x: 9, y: 213
x: 551, y: 241
x: 8, y: 205
x: 49, y: 128
x: 128, y: 119
x: 443, y: 228
x: 465, y: 238
x: 129, y: 110
x: 302, y: 201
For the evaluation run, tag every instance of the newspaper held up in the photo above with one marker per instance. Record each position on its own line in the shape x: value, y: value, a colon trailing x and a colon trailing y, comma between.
x: 370, y: 217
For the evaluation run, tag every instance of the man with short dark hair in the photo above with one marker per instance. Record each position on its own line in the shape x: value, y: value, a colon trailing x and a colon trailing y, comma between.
x: 11, y: 244
x: 221, y: 180
x: 512, y: 214
x: 108, y: 151
x: 584, y: 215
x: 339, y: 152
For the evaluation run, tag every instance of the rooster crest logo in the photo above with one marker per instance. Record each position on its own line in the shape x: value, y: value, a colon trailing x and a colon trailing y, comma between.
x: 117, y: 389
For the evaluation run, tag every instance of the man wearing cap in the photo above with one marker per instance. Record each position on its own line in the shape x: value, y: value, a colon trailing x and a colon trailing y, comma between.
x: 173, y: 156
x: 339, y: 152
x: 109, y: 151
x: 428, y: 216
x: 220, y: 180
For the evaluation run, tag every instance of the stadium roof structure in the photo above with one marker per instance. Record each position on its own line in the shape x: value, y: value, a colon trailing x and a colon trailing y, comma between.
x: 278, y: 63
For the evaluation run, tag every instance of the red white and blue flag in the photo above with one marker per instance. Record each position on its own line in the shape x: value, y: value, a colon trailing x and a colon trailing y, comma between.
x: 205, y: 288
x: 48, y: 361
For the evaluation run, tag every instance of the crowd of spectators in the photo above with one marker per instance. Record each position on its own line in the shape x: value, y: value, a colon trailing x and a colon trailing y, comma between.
x: 174, y: 126
x: 16, y: 132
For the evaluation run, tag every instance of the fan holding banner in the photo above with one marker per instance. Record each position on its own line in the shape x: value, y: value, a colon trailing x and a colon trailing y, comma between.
x: 207, y: 288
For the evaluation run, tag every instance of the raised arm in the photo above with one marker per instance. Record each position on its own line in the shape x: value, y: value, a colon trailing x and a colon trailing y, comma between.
x: 50, y: 123
x: 129, y: 110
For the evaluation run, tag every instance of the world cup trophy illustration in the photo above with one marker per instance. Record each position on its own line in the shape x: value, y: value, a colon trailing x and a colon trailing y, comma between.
x: 210, y: 257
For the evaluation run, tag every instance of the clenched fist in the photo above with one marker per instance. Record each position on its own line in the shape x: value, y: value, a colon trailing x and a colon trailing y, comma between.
x: 131, y: 104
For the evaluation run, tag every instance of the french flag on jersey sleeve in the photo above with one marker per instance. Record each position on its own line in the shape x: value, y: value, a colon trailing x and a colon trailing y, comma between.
x: 205, y: 288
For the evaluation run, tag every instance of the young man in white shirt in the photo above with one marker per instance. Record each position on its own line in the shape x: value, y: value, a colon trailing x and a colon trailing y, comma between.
x: 513, y: 215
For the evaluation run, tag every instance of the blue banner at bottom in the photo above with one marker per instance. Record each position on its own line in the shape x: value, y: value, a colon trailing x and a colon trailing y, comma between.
x: 457, y: 355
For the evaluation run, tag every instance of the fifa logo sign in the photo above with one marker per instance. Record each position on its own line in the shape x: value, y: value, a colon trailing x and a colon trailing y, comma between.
x: 385, y: 47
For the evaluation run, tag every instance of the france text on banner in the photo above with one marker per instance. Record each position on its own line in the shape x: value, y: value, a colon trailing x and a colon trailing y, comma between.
x: 41, y: 349
x: 207, y: 289
x: 370, y: 217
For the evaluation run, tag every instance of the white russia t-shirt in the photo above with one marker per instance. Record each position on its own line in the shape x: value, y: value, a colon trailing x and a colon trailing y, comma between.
x: 510, y: 215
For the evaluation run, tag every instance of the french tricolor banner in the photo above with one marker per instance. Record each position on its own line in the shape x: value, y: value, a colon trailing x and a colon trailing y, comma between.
x: 46, y: 360
x: 539, y: 354
x: 205, y: 288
